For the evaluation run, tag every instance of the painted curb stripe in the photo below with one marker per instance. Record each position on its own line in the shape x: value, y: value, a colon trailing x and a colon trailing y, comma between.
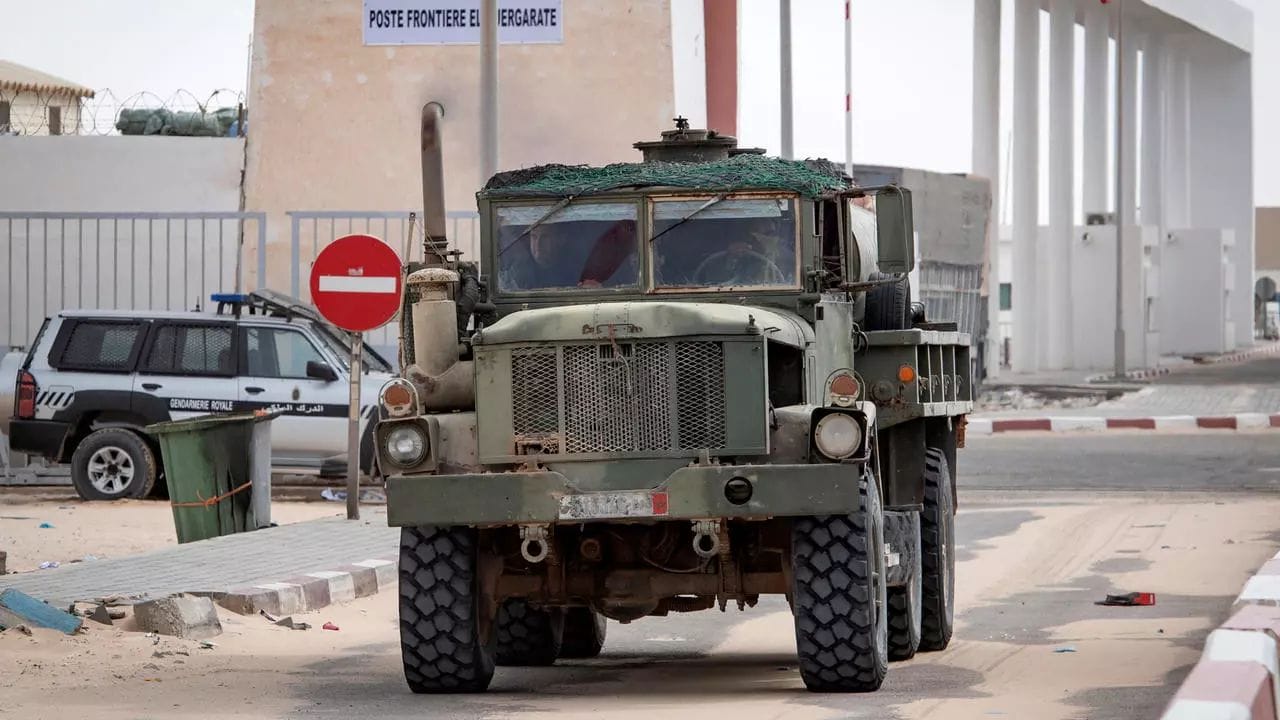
x: 1207, y: 710
x: 1217, y: 423
x: 1261, y: 589
x: 1131, y: 423
x: 1071, y: 423
x: 1021, y: 424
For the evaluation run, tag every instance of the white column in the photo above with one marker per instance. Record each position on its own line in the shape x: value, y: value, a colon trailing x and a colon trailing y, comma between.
x: 1097, y: 28
x: 986, y: 153
x: 784, y: 60
x: 1153, y: 121
x: 1129, y: 96
x: 1177, y: 171
x: 1026, y: 180
x: 1057, y: 266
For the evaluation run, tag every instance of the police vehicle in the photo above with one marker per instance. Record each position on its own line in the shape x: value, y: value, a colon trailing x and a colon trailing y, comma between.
x: 94, y: 378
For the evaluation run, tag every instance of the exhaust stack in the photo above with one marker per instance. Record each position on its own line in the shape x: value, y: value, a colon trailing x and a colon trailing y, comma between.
x: 435, y: 243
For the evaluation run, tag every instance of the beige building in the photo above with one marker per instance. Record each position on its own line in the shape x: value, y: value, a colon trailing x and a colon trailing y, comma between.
x: 1267, y: 231
x: 334, y: 121
x: 37, y: 103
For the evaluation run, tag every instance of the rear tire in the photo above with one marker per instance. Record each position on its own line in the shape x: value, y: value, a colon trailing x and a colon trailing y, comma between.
x: 889, y: 305
x: 937, y: 553
x: 443, y: 646
x: 905, y: 611
x: 113, y: 464
x: 584, y: 633
x: 528, y: 636
x: 838, y: 592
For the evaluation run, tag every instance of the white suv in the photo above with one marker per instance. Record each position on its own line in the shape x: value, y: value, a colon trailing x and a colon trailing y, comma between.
x: 93, y: 379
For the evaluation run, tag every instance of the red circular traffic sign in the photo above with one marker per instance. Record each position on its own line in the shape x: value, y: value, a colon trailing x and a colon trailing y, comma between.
x: 356, y: 283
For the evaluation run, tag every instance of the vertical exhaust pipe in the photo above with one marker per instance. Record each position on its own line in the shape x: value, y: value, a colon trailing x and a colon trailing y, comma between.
x: 435, y: 243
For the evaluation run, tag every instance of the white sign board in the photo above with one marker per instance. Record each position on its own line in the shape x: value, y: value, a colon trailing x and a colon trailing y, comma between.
x: 457, y: 22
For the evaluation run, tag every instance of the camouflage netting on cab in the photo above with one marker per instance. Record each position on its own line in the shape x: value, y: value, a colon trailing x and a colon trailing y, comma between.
x: 810, y: 178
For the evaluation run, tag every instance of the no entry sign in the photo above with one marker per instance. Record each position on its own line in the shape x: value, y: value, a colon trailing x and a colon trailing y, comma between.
x: 355, y: 283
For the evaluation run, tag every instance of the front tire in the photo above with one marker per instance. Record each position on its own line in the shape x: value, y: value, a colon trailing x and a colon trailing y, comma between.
x: 937, y: 553
x: 113, y: 464
x: 443, y: 646
x: 584, y: 633
x: 838, y: 591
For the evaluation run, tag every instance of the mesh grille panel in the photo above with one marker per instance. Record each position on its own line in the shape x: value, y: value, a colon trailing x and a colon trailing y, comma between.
x: 101, y: 345
x: 534, y: 392
x: 700, y: 394
x: 628, y: 397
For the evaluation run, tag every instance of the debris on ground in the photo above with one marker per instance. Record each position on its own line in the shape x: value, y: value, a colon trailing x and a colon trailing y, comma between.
x: 49, y: 564
x: 1017, y: 398
x: 270, y: 618
x: 1129, y: 599
x: 206, y: 645
x: 46, y: 526
x: 1065, y: 649
x: 185, y: 616
x: 19, y: 608
x: 292, y: 624
x: 329, y: 626
x: 4, y: 560
x: 102, y: 615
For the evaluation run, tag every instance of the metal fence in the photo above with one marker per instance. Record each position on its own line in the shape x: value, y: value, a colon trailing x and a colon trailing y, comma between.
x: 312, y: 230
x: 119, y: 261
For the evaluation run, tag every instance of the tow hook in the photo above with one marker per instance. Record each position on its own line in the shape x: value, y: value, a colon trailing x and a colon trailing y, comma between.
x: 533, y: 543
x: 706, y: 538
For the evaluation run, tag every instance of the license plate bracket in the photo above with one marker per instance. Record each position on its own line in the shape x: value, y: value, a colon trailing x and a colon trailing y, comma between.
x: 619, y: 505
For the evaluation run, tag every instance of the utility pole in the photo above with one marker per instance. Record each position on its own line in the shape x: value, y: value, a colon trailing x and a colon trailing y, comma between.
x: 1120, y: 194
x: 784, y: 27
x: 488, y: 89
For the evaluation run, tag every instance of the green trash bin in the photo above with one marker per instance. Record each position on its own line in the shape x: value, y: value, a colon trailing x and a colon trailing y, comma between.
x: 218, y: 468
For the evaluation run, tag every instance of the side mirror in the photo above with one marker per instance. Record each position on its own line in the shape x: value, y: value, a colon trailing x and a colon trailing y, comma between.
x: 895, y: 230
x: 317, y: 370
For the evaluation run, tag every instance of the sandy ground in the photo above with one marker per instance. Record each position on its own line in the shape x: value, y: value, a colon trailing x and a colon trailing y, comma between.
x: 1029, y: 571
x: 102, y: 530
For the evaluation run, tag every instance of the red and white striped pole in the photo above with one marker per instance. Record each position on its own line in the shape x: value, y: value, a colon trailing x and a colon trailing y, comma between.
x: 848, y: 90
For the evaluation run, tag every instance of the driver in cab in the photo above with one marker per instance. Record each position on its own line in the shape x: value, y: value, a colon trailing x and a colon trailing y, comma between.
x: 746, y: 260
x: 554, y: 259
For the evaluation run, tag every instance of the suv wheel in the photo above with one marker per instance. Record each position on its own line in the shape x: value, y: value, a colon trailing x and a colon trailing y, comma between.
x: 111, y: 464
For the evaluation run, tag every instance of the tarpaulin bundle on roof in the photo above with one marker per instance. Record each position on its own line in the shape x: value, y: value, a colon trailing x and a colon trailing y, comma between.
x: 747, y: 171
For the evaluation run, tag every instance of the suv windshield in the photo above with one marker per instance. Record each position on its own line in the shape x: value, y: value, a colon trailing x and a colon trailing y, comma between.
x: 581, y: 245
x: 735, y: 242
x: 370, y: 359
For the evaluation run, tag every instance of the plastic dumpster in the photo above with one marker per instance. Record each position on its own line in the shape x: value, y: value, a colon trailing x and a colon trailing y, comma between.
x: 218, y: 468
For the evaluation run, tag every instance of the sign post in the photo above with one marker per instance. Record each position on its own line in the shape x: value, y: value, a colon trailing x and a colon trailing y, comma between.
x: 356, y: 285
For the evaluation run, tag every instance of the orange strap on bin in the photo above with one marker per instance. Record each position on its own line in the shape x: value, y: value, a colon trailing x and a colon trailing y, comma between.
x: 210, y: 502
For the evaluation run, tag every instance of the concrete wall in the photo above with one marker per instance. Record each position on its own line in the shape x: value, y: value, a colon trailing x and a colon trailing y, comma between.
x: 335, y: 123
x: 1194, y: 312
x: 120, y: 174
x: 1093, y: 292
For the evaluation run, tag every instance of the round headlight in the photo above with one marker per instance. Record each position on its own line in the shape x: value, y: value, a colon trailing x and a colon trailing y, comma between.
x: 406, y: 445
x: 837, y: 436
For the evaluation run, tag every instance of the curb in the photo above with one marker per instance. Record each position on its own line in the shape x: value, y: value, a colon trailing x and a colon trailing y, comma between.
x: 1243, y: 421
x: 1269, y: 349
x: 313, y: 590
x: 1238, y: 676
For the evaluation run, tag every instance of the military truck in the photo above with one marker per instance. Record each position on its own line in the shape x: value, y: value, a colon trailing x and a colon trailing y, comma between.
x: 670, y: 386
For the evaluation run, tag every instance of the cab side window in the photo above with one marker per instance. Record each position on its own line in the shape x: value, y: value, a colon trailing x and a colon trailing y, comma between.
x: 192, y: 350
x: 279, y: 353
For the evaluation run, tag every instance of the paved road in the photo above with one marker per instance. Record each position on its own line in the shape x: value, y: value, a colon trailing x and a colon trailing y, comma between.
x: 1047, y: 526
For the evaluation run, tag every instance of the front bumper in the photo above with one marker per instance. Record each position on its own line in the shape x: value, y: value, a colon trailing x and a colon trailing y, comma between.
x: 689, y: 493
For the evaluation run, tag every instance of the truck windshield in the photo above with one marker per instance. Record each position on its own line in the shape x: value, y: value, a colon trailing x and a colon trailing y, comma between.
x: 736, y: 242
x: 580, y: 245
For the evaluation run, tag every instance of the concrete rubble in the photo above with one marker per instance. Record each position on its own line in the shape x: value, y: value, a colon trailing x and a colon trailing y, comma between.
x: 184, y: 616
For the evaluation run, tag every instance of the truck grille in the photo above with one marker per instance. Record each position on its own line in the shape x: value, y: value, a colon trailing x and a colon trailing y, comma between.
x: 623, y: 397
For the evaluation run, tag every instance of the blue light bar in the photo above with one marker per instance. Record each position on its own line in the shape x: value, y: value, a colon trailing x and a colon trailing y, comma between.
x: 229, y: 298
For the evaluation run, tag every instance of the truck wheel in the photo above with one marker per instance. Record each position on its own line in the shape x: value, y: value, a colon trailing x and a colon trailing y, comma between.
x: 904, y: 616
x: 111, y: 464
x: 838, y: 592
x: 584, y: 633
x: 937, y: 553
x: 443, y: 647
x: 528, y: 635
x: 889, y: 305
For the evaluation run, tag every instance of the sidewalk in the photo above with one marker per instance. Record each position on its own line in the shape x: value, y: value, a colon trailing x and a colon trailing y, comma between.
x: 285, y: 569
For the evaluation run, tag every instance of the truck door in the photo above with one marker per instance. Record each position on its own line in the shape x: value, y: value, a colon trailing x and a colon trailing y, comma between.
x: 275, y: 375
x: 188, y: 367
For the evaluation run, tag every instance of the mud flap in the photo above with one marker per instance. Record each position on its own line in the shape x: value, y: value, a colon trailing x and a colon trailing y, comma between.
x: 902, y: 545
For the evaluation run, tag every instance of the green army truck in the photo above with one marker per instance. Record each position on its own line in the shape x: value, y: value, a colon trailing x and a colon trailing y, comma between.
x: 670, y: 386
